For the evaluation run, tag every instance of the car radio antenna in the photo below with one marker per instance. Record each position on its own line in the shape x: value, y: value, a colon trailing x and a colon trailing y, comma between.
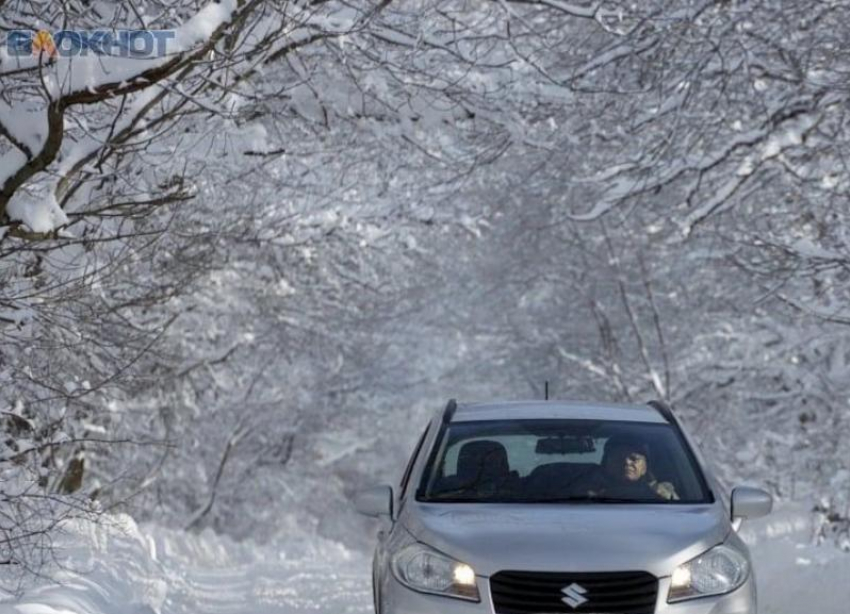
x: 546, y: 390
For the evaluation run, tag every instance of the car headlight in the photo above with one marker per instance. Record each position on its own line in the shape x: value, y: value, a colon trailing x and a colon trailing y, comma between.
x: 719, y: 571
x: 423, y: 569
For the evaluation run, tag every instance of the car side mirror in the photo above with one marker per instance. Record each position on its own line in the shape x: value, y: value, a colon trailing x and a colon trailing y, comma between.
x: 750, y: 503
x: 377, y: 501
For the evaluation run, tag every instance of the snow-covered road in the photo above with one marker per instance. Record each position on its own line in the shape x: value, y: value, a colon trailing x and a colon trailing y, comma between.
x: 269, y: 588
x: 128, y: 569
x: 794, y: 576
x: 149, y: 570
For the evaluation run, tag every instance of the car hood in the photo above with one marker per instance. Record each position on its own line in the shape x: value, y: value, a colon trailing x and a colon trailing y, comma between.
x: 568, y: 537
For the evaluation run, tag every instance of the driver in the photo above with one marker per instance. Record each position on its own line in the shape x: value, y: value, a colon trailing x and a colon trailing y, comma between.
x: 624, y: 473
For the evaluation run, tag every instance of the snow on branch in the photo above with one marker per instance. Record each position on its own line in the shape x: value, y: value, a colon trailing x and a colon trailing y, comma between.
x: 69, y: 81
x: 590, y: 11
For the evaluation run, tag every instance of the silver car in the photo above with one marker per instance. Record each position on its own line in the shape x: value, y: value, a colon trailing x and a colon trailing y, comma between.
x: 556, y: 507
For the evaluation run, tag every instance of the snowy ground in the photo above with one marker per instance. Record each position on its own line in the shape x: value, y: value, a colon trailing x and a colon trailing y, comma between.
x: 794, y: 576
x: 149, y: 570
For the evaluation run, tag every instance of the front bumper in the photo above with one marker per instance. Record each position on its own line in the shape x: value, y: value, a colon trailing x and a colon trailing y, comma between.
x: 398, y: 599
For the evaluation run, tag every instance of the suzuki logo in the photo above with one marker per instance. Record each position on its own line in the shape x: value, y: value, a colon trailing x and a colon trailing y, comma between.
x: 574, y: 595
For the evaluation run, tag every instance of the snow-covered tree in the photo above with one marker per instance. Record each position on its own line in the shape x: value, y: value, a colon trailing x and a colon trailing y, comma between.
x: 241, y: 261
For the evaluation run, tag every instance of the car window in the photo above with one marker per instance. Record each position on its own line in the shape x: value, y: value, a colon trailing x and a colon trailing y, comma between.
x: 405, y: 478
x: 564, y: 460
x: 521, y: 453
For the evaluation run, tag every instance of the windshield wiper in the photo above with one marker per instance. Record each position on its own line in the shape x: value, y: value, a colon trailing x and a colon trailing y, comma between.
x: 575, y: 499
x: 589, y: 499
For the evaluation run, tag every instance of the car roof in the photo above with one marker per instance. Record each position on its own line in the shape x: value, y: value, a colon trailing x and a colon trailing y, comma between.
x: 541, y: 410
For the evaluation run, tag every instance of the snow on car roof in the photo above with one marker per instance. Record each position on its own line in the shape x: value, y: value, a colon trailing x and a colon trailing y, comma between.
x: 538, y: 410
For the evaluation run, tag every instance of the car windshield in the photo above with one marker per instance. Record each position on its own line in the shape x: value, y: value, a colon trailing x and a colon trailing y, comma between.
x: 557, y: 461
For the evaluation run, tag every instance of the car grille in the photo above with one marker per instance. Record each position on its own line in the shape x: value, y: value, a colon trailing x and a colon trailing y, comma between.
x: 531, y: 592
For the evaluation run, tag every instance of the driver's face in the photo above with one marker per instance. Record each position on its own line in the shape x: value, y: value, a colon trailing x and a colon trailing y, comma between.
x: 628, y: 464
